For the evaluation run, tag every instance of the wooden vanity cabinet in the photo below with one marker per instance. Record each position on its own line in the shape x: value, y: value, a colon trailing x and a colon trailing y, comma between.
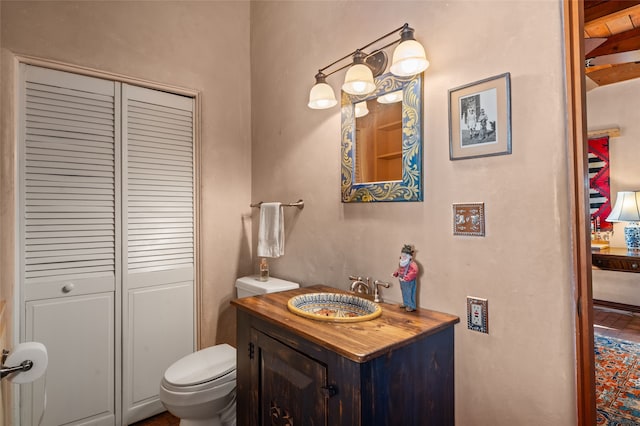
x: 291, y: 370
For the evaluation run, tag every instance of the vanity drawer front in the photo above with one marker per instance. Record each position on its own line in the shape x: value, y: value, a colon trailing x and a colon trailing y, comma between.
x: 616, y: 263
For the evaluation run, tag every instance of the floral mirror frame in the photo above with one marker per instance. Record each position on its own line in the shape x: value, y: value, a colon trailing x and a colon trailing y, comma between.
x: 410, y: 188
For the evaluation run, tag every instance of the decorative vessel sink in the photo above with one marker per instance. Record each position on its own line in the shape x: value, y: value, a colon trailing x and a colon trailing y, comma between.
x: 337, y: 307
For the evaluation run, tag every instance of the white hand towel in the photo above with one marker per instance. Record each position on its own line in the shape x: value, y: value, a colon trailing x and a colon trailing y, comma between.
x: 271, y: 231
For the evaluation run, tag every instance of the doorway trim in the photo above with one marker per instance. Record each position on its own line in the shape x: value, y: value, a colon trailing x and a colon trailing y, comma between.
x: 578, y: 202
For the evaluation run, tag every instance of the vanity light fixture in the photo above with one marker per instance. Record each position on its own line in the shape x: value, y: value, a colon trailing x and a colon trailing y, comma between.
x: 627, y: 209
x: 359, y: 78
x: 391, y: 97
x: 321, y: 95
x: 409, y: 59
x: 361, y: 109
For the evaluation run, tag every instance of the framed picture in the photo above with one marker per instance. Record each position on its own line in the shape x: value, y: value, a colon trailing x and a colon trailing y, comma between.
x: 480, y: 118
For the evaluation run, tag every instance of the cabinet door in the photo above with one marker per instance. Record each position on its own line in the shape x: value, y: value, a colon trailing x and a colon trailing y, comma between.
x: 78, y: 332
x: 290, y: 385
x: 158, y: 243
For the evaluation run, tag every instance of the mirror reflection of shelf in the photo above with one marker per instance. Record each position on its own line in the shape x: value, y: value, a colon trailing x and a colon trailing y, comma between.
x: 394, y: 125
x: 379, y: 143
x: 388, y: 149
x: 390, y: 156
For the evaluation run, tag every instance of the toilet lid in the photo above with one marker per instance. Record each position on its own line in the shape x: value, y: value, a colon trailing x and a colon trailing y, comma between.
x: 202, y: 366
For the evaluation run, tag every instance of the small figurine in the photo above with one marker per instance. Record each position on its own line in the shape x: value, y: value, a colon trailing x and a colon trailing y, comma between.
x: 407, y: 273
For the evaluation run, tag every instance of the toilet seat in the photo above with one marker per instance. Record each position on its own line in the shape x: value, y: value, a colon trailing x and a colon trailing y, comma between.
x: 213, y: 394
x: 201, y: 368
x: 227, y: 378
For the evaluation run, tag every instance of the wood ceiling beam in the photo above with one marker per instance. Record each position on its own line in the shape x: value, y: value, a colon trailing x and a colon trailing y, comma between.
x: 622, y: 42
x: 615, y: 74
x: 595, y: 9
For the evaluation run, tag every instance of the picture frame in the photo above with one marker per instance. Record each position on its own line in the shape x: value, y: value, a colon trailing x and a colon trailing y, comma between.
x: 480, y: 118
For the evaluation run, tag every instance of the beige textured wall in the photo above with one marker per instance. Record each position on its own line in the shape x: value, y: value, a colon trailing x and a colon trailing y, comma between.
x: 522, y: 373
x: 199, y: 45
x: 616, y: 105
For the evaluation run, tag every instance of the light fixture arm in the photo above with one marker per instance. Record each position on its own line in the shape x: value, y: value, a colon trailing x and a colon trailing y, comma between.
x: 405, y: 29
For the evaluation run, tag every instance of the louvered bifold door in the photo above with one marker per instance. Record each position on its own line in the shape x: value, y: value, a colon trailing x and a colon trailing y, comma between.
x: 68, y: 233
x: 158, y: 243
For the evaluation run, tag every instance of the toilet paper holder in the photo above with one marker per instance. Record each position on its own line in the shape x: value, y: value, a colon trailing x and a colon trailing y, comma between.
x: 5, y: 371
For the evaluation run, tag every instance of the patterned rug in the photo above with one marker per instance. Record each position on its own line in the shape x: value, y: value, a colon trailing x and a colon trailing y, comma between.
x: 617, y: 381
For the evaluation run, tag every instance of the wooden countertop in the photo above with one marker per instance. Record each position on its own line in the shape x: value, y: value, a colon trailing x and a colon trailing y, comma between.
x: 617, y: 251
x: 358, y: 341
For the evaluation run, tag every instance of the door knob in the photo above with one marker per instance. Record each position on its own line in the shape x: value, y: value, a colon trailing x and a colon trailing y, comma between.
x: 329, y: 391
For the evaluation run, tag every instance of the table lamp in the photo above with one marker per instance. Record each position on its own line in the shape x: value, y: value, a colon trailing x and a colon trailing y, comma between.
x: 627, y: 209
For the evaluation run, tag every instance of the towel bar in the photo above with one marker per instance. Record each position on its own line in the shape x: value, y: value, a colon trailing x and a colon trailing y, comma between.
x: 299, y: 204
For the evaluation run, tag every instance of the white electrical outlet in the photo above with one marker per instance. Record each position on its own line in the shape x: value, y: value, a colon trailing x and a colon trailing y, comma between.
x: 478, y: 314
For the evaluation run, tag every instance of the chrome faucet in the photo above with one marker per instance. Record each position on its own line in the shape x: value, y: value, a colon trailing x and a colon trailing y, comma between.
x: 360, y: 285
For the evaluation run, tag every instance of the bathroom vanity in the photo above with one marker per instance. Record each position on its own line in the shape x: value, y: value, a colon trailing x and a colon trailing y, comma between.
x: 396, y: 369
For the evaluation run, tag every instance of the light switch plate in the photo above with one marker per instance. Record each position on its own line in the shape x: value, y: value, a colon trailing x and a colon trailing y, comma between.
x: 478, y: 314
x: 468, y: 219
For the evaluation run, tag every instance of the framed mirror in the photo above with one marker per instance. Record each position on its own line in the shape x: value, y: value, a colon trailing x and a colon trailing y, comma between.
x: 382, y: 142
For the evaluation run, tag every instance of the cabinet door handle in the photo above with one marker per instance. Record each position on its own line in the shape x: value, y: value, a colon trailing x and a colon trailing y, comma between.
x: 329, y: 391
x: 634, y: 266
x: 67, y: 288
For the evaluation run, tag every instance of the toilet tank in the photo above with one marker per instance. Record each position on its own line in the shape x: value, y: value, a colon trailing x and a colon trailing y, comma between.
x: 252, y: 286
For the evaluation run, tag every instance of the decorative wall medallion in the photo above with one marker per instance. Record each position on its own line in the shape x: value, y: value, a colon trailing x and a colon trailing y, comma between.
x: 468, y: 219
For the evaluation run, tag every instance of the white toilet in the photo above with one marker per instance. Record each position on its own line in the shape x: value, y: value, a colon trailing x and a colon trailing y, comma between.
x: 200, y: 388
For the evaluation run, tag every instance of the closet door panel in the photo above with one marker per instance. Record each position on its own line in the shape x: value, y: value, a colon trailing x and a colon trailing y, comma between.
x: 160, y: 339
x: 79, y: 334
x: 69, y: 227
x: 158, y: 242
x: 69, y: 160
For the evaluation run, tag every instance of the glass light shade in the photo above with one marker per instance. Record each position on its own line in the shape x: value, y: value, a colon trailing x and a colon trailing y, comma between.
x: 361, y: 109
x: 359, y: 80
x: 391, y: 98
x: 409, y: 59
x: 321, y: 96
x: 626, y: 208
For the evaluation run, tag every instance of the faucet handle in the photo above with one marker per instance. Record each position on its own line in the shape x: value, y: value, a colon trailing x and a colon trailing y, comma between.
x: 376, y: 289
x: 382, y: 283
x: 354, y: 278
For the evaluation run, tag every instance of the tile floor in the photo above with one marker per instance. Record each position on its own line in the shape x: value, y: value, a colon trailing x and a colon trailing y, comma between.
x: 618, y: 324
x: 608, y: 322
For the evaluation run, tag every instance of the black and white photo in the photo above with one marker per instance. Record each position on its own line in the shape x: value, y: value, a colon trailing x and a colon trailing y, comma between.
x: 480, y: 118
